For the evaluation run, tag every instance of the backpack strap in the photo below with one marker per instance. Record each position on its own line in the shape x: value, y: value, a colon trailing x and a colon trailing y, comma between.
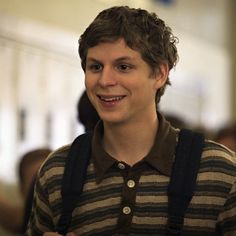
x: 183, y: 178
x: 73, y: 181
x: 180, y: 190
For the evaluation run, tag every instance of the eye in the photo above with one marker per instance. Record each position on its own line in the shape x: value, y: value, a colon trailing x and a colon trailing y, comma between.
x: 94, y: 67
x: 124, y: 67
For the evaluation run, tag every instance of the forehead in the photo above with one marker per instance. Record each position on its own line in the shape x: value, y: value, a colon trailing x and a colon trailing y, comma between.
x: 115, y: 49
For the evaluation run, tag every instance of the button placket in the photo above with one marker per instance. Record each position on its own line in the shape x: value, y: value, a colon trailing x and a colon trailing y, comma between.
x: 128, y: 194
x: 128, y: 198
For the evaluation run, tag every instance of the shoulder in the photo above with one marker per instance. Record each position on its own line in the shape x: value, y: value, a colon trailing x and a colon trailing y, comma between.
x: 215, y: 151
x: 218, y: 163
x: 54, y: 164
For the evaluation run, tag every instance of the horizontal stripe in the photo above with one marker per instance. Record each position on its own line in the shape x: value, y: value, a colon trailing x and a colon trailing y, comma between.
x: 100, y: 205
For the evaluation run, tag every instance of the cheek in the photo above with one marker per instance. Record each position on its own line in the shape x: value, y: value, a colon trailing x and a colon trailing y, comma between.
x: 89, y: 82
x: 89, y: 89
x: 86, y: 82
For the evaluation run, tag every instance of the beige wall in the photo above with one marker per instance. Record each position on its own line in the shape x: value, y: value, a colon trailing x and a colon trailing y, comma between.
x: 232, y: 49
x: 203, y: 18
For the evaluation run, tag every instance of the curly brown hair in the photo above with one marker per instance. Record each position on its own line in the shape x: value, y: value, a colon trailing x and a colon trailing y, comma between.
x: 142, y: 31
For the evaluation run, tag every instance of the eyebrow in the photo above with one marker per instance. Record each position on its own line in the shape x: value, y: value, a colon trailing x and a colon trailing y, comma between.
x: 119, y: 59
x: 91, y: 59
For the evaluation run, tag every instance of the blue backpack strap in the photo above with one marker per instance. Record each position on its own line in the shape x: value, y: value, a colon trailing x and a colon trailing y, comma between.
x: 73, y: 181
x: 183, y: 178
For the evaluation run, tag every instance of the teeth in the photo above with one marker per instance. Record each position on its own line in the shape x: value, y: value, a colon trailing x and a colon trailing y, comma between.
x: 112, y: 99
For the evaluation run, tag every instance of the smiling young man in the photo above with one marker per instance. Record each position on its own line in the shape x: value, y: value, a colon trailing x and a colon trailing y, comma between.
x: 126, y: 55
x: 122, y: 87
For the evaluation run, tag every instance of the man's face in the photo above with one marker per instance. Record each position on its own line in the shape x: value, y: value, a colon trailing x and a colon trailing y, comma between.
x: 119, y: 83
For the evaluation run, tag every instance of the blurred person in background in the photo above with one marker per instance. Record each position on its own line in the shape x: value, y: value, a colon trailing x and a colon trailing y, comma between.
x: 176, y: 121
x: 227, y: 136
x: 86, y: 113
x: 14, y: 217
x: 180, y: 123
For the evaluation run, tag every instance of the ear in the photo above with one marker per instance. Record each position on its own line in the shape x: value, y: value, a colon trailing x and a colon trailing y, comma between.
x: 161, y: 75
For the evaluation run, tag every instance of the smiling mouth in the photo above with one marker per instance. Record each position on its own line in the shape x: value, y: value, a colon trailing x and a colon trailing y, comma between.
x: 110, y: 99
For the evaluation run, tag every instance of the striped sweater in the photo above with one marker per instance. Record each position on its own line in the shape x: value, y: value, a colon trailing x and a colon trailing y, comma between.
x: 118, y: 199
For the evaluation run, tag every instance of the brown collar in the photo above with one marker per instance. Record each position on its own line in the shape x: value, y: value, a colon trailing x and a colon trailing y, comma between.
x: 160, y: 156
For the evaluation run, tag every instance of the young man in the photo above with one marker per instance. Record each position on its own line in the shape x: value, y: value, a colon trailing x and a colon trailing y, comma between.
x: 126, y: 55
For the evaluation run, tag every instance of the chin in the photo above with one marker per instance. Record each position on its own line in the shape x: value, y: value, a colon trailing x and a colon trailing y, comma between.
x: 110, y: 119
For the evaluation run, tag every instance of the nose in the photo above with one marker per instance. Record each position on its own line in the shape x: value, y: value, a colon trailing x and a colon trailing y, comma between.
x: 107, y: 77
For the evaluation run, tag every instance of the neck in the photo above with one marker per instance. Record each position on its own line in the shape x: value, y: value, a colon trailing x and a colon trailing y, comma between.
x: 130, y: 143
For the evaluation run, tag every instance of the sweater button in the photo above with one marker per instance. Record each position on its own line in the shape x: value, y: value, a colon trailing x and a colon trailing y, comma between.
x: 126, y: 210
x: 121, y: 166
x: 130, y: 183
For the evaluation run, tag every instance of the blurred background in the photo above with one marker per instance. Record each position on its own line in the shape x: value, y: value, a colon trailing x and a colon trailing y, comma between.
x: 41, y: 79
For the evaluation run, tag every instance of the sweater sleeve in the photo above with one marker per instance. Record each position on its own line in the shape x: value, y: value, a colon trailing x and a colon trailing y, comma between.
x: 41, y: 218
x: 226, y: 223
